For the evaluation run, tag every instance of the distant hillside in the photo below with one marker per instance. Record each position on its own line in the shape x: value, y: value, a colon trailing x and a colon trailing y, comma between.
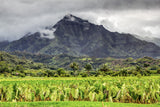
x: 12, y: 61
x: 63, y: 61
x: 77, y: 37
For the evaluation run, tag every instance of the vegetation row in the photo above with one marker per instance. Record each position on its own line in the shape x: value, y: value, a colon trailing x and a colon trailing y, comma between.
x: 120, y: 90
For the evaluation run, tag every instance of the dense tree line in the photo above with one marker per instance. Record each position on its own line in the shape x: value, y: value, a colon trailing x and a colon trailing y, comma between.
x: 103, y: 70
x: 11, y: 65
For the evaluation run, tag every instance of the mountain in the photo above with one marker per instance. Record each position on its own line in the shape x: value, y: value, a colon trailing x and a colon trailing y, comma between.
x: 77, y: 37
x: 155, y: 40
x: 3, y: 44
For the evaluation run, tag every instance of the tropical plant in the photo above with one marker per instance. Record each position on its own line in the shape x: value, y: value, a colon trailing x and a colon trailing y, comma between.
x: 104, y: 68
x: 130, y: 90
x: 88, y: 67
x: 60, y: 71
x: 74, y: 66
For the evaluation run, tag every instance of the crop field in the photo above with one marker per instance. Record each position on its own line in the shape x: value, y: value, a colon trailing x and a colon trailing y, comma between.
x: 142, y: 90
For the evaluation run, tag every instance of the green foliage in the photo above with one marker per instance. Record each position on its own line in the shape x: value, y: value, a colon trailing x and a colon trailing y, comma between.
x: 56, y: 75
x: 49, y: 73
x: 139, y: 75
x: 4, y: 67
x: 60, y: 71
x: 154, y: 67
x: 84, y: 74
x: 74, y: 66
x: 11, y: 65
x: 36, y: 66
x: 158, y: 71
x: 146, y: 65
x: 104, y: 68
x: 20, y: 68
x: 88, y: 67
x: 138, y: 68
x: 123, y: 72
x: 125, y: 90
x: 73, y: 104
x: 41, y: 74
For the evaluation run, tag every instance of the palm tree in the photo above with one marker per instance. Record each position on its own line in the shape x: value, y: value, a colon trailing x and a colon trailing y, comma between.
x: 88, y: 67
x: 104, y: 68
x: 74, y: 67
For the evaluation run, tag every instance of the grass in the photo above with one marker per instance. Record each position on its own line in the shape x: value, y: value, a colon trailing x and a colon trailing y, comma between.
x: 73, y: 104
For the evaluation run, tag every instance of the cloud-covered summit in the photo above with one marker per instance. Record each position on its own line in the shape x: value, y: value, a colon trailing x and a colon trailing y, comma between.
x: 140, y: 17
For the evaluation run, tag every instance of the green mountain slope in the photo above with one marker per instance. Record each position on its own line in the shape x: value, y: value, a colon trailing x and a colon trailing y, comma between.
x: 78, y: 37
x: 63, y: 61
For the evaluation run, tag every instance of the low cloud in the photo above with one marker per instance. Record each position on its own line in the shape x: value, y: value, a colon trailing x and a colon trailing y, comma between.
x: 140, y: 17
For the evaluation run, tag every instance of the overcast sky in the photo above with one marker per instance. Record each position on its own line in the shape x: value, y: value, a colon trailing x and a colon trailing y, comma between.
x: 140, y: 17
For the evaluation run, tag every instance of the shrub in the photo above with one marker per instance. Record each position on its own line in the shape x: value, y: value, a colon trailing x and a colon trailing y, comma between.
x: 56, y: 75
x: 67, y: 75
x: 146, y: 65
x: 49, y: 73
x: 60, y: 71
x: 104, y: 68
x: 139, y: 75
x: 88, y: 67
x: 20, y: 68
x: 158, y: 71
x: 154, y: 68
x: 41, y: 74
x: 84, y: 75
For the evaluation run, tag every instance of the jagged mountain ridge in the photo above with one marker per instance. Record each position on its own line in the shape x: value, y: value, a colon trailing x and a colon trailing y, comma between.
x: 77, y: 37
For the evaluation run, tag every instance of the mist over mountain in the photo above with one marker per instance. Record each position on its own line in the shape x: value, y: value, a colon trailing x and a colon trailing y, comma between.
x: 78, y: 37
x: 155, y: 40
x: 150, y: 39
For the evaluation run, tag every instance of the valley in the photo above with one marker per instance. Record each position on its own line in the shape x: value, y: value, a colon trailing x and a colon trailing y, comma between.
x: 76, y: 61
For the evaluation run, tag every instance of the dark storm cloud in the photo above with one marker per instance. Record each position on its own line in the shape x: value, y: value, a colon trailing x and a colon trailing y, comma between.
x: 131, y: 4
x: 17, y: 17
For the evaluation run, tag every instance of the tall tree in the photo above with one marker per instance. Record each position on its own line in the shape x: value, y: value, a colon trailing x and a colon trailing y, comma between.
x: 104, y: 68
x: 74, y: 67
x: 60, y: 71
x: 88, y: 67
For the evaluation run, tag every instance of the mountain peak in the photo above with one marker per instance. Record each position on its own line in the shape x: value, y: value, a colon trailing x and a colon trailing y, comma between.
x: 72, y: 18
x: 69, y: 17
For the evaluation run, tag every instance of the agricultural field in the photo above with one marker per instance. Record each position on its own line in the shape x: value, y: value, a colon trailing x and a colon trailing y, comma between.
x: 101, y: 91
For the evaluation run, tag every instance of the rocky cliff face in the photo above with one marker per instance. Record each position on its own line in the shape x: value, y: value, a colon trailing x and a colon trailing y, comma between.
x: 77, y: 37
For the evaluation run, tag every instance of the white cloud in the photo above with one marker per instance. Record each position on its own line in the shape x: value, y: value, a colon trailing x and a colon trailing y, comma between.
x: 152, y: 30
x: 48, y: 33
x: 18, y: 17
x: 131, y: 21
